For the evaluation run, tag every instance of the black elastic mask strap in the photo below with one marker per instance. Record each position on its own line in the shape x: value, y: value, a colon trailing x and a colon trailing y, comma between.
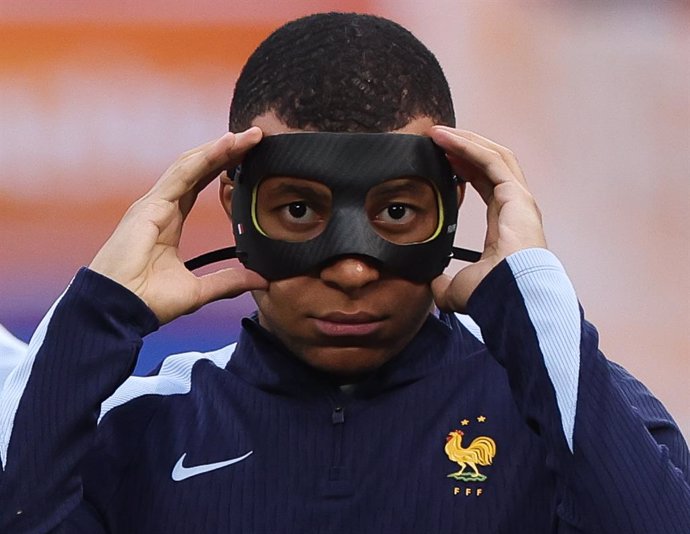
x: 221, y: 254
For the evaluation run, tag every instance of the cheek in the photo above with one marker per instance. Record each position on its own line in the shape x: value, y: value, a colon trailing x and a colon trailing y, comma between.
x: 414, y: 304
x: 282, y: 304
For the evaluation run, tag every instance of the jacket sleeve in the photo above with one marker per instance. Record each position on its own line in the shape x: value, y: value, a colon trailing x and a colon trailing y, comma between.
x: 12, y: 353
x: 82, y: 350
x: 621, y: 461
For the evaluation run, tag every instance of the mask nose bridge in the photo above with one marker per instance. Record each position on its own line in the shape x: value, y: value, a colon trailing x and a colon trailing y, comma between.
x: 349, y: 230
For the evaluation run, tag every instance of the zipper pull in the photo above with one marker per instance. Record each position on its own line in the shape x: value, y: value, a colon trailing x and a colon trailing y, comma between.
x: 338, y: 415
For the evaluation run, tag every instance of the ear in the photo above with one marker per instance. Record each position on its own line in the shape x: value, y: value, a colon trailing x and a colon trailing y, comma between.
x: 225, y: 193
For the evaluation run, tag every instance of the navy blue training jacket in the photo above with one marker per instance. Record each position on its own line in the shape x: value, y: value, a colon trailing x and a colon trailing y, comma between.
x: 510, y: 421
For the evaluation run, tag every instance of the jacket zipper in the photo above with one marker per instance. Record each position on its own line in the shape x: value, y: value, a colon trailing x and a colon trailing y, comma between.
x: 338, y: 420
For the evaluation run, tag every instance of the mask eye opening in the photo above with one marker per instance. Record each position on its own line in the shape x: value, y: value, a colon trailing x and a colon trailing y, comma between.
x: 407, y: 210
x: 292, y: 209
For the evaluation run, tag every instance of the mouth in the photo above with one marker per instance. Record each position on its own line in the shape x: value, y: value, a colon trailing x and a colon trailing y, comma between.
x: 341, y: 324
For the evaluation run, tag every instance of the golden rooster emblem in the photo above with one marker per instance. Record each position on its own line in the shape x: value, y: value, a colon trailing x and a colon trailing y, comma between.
x: 480, y: 452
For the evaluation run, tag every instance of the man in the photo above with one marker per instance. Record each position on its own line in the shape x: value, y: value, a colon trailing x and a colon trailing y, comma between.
x: 349, y: 404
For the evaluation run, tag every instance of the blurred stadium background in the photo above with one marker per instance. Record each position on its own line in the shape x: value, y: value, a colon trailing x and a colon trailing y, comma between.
x: 98, y: 97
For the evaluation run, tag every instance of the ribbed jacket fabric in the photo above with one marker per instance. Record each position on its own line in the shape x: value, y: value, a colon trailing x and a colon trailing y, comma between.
x: 248, y: 439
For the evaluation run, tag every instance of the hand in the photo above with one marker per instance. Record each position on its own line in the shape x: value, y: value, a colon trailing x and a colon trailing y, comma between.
x: 142, y: 253
x: 513, y: 219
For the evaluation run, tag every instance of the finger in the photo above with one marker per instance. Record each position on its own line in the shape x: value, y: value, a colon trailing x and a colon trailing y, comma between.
x: 472, y: 175
x: 232, y: 156
x: 211, y: 160
x: 505, y: 153
x: 482, y: 167
x: 229, y: 283
x: 199, y: 167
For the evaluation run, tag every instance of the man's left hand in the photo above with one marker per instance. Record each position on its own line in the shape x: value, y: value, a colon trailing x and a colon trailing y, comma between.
x: 513, y: 219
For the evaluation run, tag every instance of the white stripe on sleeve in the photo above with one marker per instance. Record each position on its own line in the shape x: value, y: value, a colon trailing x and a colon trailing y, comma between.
x: 15, y: 384
x: 174, y: 378
x: 554, y: 311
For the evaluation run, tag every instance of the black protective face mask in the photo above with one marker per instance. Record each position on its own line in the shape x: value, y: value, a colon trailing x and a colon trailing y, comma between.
x: 349, y: 165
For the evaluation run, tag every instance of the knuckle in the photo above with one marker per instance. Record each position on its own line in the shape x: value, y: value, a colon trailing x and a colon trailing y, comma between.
x: 209, y: 162
x: 186, y: 155
x: 513, y: 190
x: 509, y: 155
x: 138, y: 205
x: 149, y: 207
x: 494, y: 162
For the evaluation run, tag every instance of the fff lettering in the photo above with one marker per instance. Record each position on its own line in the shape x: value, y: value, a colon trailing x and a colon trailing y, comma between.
x: 468, y: 491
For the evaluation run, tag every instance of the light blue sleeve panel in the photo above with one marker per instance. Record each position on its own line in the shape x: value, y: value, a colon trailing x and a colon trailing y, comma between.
x: 620, y: 459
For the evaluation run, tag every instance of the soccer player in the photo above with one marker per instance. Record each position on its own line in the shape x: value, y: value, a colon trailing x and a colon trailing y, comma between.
x: 369, y: 392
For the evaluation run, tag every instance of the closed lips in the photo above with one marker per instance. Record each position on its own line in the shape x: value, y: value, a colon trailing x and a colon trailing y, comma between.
x: 348, y: 324
x: 350, y: 318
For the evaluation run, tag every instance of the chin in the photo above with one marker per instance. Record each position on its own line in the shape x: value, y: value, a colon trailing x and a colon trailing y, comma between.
x: 346, y: 364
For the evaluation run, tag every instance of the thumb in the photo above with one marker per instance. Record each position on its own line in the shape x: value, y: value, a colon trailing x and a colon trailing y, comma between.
x: 439, y: 290
x: 228, y: 283
x: 452, y: 294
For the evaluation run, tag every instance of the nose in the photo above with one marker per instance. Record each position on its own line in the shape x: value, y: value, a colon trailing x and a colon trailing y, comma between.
x: 350, y: 273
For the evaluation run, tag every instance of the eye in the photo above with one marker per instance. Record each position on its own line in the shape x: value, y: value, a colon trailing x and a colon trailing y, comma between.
x: 300, y: 212
x: 397, y: 213
x: 297, y: 209
x: 403, y: 210
x: 292, y: 209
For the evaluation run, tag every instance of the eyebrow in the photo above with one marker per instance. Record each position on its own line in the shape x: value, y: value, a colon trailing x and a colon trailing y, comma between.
x: 300, y: 191
x: 399, y: 185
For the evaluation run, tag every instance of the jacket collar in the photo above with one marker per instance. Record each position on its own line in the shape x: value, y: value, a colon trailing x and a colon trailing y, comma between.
x: 262, y: 360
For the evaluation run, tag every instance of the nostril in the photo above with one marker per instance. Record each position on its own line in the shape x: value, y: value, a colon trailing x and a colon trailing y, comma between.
x: 350, y: 272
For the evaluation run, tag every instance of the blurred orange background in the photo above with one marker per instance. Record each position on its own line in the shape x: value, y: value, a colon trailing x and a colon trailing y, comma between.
x: 97, y: 98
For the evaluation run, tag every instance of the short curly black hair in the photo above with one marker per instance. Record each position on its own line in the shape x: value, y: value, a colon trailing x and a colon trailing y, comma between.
x: 342, y: 72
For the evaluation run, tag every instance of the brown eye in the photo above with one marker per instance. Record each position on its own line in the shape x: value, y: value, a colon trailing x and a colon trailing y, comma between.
x: 396, y: 211
x: 292, y: 209
x: 297, y: 210
x: 404, y: 210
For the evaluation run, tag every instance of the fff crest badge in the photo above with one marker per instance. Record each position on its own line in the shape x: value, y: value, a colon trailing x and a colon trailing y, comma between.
x: 470, y: 457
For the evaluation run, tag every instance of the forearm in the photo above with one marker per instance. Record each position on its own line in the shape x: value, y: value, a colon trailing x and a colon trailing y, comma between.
x: 616, y: 477
x: 83, y: 349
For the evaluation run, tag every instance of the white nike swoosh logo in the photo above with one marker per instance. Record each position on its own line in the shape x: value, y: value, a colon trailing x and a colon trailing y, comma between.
x: 180, y: 472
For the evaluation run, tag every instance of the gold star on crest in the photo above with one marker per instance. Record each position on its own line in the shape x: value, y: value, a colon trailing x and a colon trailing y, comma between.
x: 464, y: 422
x: 481, y: 419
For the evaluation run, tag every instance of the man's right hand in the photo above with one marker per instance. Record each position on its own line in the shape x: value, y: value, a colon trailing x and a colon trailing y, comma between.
x: 142, y: 253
